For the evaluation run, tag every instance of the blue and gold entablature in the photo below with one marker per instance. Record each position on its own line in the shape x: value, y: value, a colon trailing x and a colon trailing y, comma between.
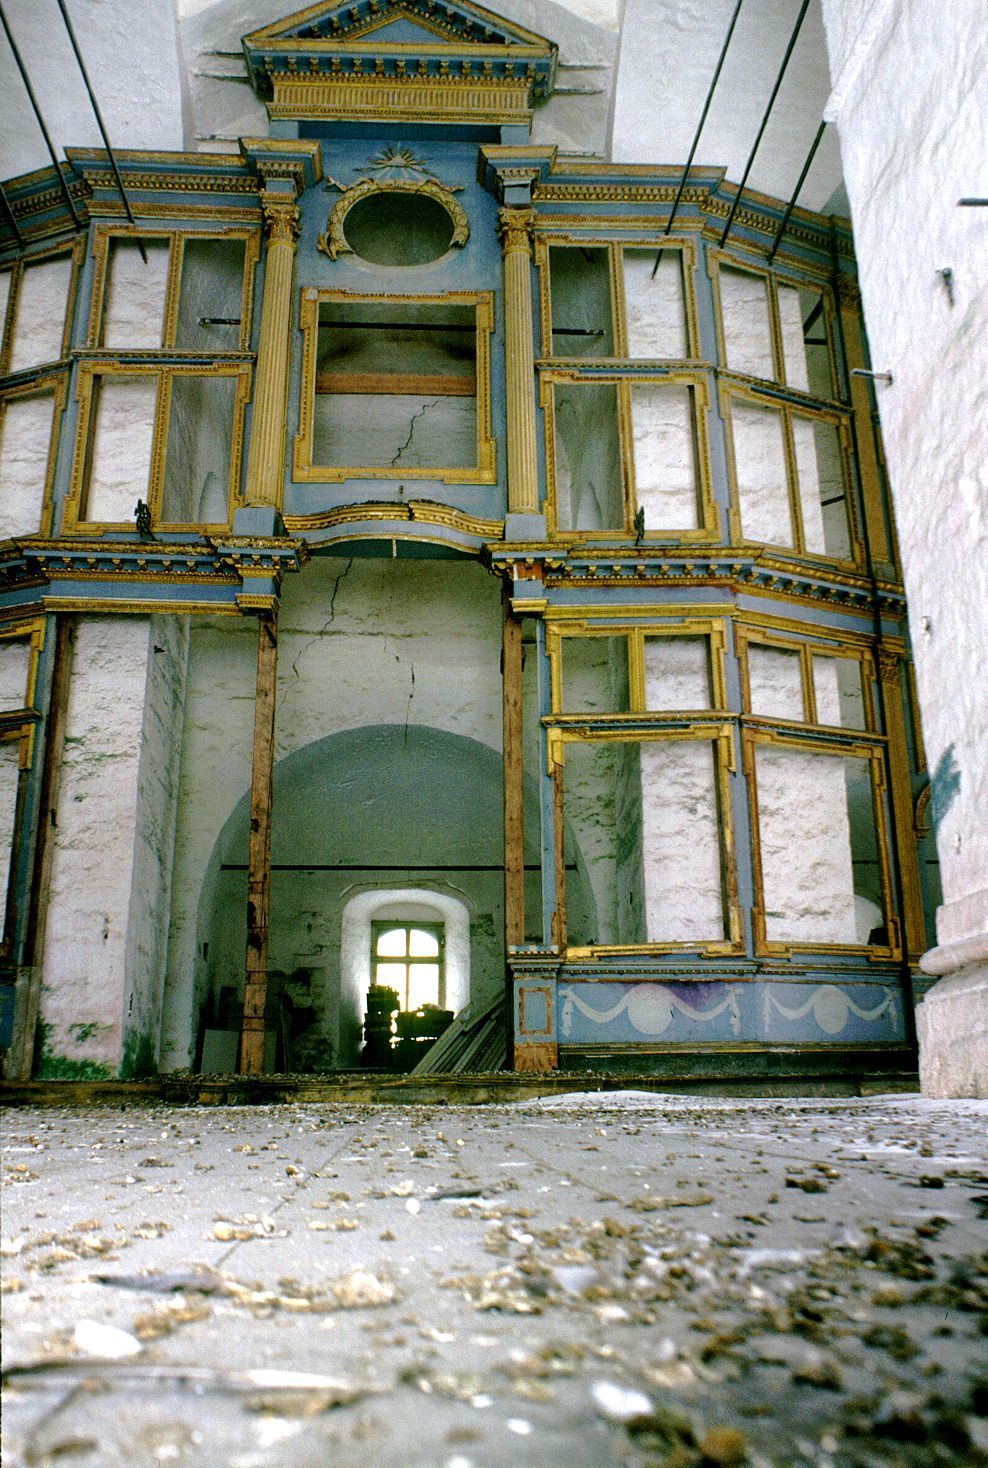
x: 233, y: 574
x: 738, y: 579
x: 442, y: 61
x: 576, y: 193
x: 190, y: 186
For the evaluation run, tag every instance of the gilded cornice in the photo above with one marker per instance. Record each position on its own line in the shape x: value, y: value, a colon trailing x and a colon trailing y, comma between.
x: 761, y: 575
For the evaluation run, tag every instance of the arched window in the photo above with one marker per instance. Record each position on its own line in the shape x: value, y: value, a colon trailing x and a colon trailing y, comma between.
x: 410, y: 958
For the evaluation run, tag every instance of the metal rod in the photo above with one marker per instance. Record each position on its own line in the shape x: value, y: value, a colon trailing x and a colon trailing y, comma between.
x: 40, y: 120
x: 699, y: 130
x: 973, y: 203
x: 99, y: 118
x: 768, y: 112
x: 796, y: 191
x: 875, y: 376
x: 10, y: 215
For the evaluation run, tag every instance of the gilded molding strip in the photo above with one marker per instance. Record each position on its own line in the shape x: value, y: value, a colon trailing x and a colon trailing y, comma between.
x: 401, y: 99
x: 414, y: 512
x: 306, y: 472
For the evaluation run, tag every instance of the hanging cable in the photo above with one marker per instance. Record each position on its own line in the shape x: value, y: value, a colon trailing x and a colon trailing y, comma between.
x: 768, y: 112
x: 99, y: 118
x: 796, y: 191
x: 10, y: 215
x: 699, y: 130
x: 40, y: 120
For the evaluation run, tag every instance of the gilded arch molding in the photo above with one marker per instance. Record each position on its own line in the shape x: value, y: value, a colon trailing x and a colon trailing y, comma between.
x: 334, y: 242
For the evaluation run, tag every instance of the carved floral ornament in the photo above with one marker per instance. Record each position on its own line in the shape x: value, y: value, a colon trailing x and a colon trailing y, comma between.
x: 334, y: 241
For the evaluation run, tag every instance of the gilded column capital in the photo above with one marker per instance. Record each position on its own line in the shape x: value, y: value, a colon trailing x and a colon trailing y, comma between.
x: 281, y: 219
x: 514, y: 227
x: 848, y: 292
x: 888, y: 664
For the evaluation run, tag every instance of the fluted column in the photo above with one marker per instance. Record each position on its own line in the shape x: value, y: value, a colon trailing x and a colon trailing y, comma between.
x: 266, y: 456
x: 514, y: 227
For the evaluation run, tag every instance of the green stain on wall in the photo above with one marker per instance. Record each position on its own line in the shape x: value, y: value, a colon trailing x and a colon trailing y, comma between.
x: 138, y: 1057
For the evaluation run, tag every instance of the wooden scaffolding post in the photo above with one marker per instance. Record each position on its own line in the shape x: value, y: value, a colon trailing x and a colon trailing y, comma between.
x: 251, y: 1057
x: 514, y: 816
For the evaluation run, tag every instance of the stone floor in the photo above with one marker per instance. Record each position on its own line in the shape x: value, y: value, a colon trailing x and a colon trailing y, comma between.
x: 611, y: 1279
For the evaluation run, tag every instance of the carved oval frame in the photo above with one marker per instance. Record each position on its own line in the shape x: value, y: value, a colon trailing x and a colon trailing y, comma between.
x: 334, y: 243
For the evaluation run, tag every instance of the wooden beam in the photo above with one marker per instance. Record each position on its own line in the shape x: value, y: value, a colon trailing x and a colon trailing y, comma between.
x: 251, y: 1057
x: 28, y: 1002
x: 383, y: 384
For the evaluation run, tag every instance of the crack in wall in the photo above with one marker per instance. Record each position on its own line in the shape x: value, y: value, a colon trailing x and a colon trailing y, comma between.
x: 296, y: 672
x: 411, y: 429
x: 408, y: 706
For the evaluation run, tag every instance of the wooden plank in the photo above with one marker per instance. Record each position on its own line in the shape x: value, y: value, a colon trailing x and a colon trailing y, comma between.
x: 21, y: 1058
x: 251, y: 1058
x: 438, y: 384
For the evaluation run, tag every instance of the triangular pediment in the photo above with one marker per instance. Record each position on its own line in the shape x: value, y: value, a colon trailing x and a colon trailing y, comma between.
x: 455, y: 22
x: 414, y: 43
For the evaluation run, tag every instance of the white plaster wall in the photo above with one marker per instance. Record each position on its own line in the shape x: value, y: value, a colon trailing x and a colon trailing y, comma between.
x: 134, y: 301
x: 654, y: 314
x: 665, y: 456
x: 684, y: 885
x: 84, y: 973
x: 154, y: 836
x: 25, y: 440
x: 15, y: 660
x: 39, y: 320
x: 121, y: 447
x: 805, y: 835
x: 677, y: 673
x: 760, y: 465
x: 911, y: 104
x: 9, y: 774
x: 669, y: 50
x: 132, y: 58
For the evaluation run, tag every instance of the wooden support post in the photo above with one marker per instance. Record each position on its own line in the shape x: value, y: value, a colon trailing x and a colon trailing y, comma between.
x: 251, y: 1057
x: 21, y: 1059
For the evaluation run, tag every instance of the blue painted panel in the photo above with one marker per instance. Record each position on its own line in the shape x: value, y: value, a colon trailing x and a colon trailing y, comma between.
x: 712, y: 1013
